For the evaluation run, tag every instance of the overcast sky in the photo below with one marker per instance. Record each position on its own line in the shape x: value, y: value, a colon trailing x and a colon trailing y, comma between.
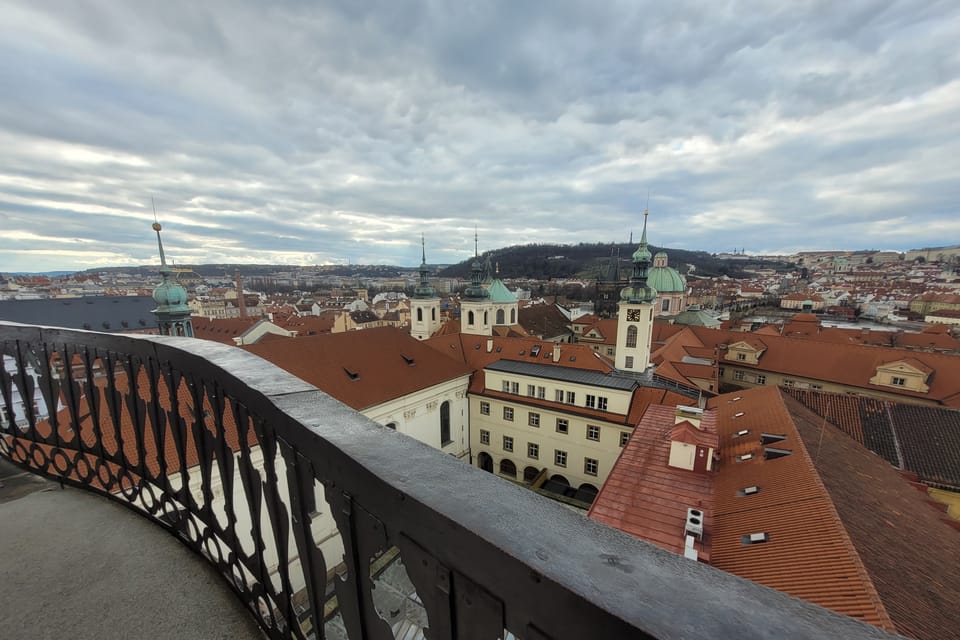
x: 319, y: 132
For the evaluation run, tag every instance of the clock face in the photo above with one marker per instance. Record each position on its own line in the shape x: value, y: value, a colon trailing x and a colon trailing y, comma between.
x: 633, y: 315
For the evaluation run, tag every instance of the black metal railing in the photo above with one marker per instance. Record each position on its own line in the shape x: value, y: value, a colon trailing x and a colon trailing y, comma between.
x: 245, y: 463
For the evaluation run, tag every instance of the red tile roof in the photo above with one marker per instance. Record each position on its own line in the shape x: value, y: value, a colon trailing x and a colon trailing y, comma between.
x: 362, y: 368
x: 646, y: 497
x: 911, y: 555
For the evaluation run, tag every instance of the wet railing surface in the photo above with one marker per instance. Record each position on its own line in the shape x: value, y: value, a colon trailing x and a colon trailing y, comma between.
x: 301, y: 503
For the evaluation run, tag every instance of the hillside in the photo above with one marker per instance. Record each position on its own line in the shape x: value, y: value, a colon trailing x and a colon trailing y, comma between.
x: 584, y: 260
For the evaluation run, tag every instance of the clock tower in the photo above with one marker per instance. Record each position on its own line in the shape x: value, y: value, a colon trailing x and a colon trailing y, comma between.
x: 635, y: 318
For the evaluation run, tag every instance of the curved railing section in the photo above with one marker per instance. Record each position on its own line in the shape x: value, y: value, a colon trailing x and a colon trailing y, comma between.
x: 304, y: 506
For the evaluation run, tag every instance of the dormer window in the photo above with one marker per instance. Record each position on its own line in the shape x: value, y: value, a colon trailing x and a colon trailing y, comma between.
x: 741, y: 356
x: 769, y: 453
x: 769, y: 438
x: 897, y: 381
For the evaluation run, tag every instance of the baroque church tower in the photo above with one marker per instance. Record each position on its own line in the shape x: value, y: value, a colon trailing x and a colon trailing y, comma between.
x: 635, y: 319
x: 425, y: 304
x: 476, y: 309
x: 173, y: 314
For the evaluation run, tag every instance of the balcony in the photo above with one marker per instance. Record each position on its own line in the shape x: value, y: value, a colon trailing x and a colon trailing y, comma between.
x: 320, y: 522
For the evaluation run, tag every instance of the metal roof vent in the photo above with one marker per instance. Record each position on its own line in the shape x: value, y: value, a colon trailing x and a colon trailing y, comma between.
x: 738, y: 414
x: 689, y: 552
x: 741, y: 433
x: 749, y: 491
x: 694, y: 523
x: 755, y: 538
x: 746, y: 456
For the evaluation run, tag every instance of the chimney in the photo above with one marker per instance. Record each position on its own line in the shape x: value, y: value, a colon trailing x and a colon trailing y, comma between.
x: 556, y: 352
x: 241, y: 301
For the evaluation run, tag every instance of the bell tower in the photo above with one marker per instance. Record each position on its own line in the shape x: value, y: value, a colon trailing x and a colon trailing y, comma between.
x: 425, y: 304
x: 173, y: 314
x: 635, y: 312
x: 476, y: 310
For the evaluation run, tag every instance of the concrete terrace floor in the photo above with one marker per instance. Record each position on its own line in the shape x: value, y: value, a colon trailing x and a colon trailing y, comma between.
x: 77, y: 565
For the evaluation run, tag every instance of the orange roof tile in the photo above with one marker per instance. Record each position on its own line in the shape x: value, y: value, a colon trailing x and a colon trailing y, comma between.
x: 362, y: 368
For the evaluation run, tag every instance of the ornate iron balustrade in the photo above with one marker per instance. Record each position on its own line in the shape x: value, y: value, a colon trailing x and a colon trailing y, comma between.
x: 240, y: 459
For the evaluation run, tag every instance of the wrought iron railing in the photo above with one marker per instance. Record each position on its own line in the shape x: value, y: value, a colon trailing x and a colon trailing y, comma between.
x: 245, y: 463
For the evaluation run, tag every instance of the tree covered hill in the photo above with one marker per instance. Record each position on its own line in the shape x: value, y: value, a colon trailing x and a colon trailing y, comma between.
x: 584, y: 260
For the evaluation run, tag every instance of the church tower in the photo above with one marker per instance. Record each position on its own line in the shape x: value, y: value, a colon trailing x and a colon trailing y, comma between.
x: 173, y: 314
x: 425, y: 305
x: 476, y: 310
x: 635, y: 319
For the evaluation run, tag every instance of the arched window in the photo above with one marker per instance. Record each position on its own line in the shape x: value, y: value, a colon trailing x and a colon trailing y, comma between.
x: 666, y: 305
x: 433, y: 313
x: 470, y: 317
x: 445, y: 422
x: 507, y: 468
x: 486, y: 317
x: 513, y: 316
x: 500, y: 316
x: 631, y: 336
x: 419, y: 314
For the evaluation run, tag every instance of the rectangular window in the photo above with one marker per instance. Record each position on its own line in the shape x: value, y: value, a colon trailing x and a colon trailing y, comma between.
x: 898, y: 381
x: 558, y: 395
x: 593, y: 432
x: 560, y: 458
x: 571, y: 397
x: 590, y: 466
x: 533, y: 450
x: 721, y: 371
x: 542, y: 393
x: 816, y: 386
x: 484, y: 437
x: 562, y: 425
x: 531, y: 390
x: 761, y: 379
x: 515, y: 388
x: 609, y: 351
x: 506, y: 386
x: 741, y: 356
x: 738, y: 375
x: 624, y: 438
x: 591, y: 402
x: 507, y: 443
x: 508, y: 414
x: 484, y: 408
x: 533, y: 419
x: 628, y: 362
x: 602, y: 403
x: 788, y: 383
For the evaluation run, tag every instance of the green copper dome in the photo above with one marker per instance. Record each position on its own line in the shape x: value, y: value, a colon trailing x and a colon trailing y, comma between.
x: 638, y: 292
x: 499, y: 292
x: 642, y: 254
x: 666, y: 280
x: 170, y: 296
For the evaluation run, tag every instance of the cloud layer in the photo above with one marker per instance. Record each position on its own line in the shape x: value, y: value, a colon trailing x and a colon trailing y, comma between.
x: 324, y: 132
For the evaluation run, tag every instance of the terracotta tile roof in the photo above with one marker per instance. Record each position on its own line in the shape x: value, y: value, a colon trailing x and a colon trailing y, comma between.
x: 808, y: 553
x: 848, y: 364
x: 687, y: 433
x: 222, y: 330
x: 362, y: 368
x: 479, y: 351
x: 646, y: 497
x: 910, y: 554
x: 543, y: 320
x: 920, y: 439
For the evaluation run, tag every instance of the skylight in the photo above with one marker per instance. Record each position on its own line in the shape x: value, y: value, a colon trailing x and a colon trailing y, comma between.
x: 741, y: 433
x: 744, y: 457
x: 749, y: 491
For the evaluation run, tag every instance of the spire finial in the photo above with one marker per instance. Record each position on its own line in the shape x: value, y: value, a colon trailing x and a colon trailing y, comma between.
x: 423, y: 247
x: 643, y: 238
x: 157, y: 228
x: 476, y: 243
x: 498, y: 267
